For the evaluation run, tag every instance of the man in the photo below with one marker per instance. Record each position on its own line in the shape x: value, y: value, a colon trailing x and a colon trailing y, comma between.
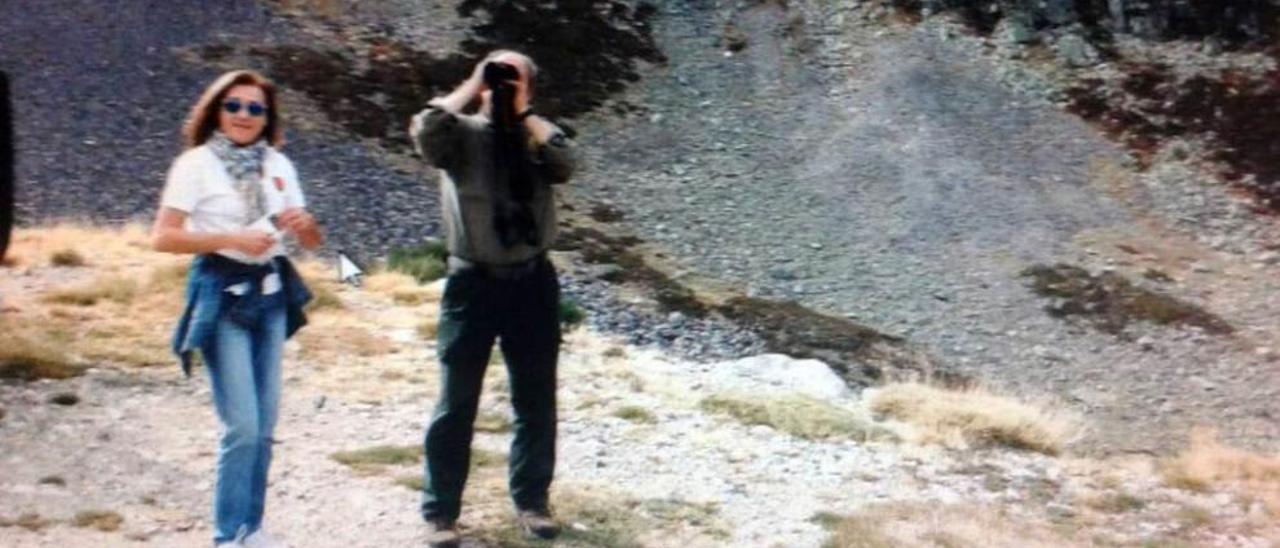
x: 7, y: 180
x: 497, y: 167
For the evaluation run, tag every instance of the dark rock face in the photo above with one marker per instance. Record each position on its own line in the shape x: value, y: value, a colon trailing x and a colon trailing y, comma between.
x: 595, y: 56
x: 1237, y: 113
x: 1234, y: 22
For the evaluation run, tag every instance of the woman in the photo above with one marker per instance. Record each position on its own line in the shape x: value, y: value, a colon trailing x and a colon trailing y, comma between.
x: 230, y: 199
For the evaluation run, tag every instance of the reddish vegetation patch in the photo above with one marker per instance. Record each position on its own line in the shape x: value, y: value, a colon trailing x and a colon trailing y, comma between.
x: 1232, y: 23
x: 1110, y: 302
x: 981, y: 16
x: 375, y: 102
x: 1238, y: 113
x: 587, y: 51
x: 606, y: 213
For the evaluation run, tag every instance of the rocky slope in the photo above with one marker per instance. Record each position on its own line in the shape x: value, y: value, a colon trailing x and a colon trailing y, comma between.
x: 885, y: 172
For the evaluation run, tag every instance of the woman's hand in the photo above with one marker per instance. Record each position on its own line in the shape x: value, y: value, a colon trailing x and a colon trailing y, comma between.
x: 301, y: 224
x: 250, y: 242
x: 295, y: 220
x: 170, y: 235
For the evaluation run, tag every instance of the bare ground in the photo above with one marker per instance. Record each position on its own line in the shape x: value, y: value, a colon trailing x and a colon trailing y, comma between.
x: 644, y: 460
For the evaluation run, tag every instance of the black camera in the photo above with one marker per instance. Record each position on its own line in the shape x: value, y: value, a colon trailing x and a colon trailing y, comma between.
x: 501, y: 78
x: 513, y: 218
x: 497, y: 74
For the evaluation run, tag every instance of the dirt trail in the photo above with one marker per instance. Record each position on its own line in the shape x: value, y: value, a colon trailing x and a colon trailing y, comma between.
x: 644, y: 456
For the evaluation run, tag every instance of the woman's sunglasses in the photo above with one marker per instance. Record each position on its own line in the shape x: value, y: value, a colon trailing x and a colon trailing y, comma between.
x: 255, y: 109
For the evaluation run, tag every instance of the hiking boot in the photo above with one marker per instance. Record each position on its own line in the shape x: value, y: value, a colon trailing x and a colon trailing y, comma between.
x: 442, y: 533
x: 537, y: 523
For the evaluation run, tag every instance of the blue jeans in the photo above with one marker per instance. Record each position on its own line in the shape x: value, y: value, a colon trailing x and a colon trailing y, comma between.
x: 244, y: 369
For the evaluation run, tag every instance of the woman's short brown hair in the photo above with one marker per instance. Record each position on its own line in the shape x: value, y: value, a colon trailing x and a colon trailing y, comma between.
x: 203, y: 119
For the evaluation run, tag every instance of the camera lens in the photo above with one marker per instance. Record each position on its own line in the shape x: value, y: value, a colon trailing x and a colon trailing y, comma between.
x: 495, y: 73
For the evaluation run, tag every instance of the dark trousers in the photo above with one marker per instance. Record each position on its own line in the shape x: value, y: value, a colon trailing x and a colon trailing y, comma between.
x: 522, y: 314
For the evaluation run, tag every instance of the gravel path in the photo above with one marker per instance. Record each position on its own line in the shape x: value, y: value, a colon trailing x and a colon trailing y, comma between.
x: 141, y: 444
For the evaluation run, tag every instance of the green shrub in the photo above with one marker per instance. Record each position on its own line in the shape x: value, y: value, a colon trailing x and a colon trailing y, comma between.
x: 381, y: 455
x: 570, y: 313
x: 67, y: 257
x: 635, y: 414
x: 424, y: 262
x: 799, y: 416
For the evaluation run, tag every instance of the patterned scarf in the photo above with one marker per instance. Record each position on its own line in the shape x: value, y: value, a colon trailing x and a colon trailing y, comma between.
x: 244, y: 164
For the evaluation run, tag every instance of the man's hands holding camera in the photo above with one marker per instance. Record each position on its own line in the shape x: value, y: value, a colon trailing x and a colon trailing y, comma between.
x: 490, y: 74
x: 475, y: 88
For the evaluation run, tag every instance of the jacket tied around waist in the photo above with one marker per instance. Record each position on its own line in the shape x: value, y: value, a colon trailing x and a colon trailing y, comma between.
x: 219, y: 287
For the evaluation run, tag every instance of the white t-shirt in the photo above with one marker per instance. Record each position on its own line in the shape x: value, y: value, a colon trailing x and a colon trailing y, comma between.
x: 199, y: 185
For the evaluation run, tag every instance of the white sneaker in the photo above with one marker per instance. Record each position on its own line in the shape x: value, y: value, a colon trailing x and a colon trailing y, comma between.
x: 261, y: 539
x: 232, y: 544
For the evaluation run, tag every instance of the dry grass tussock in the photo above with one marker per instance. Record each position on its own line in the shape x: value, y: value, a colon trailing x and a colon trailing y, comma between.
x: 367, y: 347
x: 68, y: 258
x: 799, y: 416
x: 30, y: 521
x: 71, y: 244
x: 115, y: 289
x: 27, y: 356
x: 117, y: 306
x: 118, y: 310
x: 336, y: 330
x: 600, y: 517
x: 1208, y: 465
x: 324, y: 286
x: 338, y: 337
x: 931, y: 525
x: 963, y: 418
x: 102, y: 520
x: 402, y: 288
